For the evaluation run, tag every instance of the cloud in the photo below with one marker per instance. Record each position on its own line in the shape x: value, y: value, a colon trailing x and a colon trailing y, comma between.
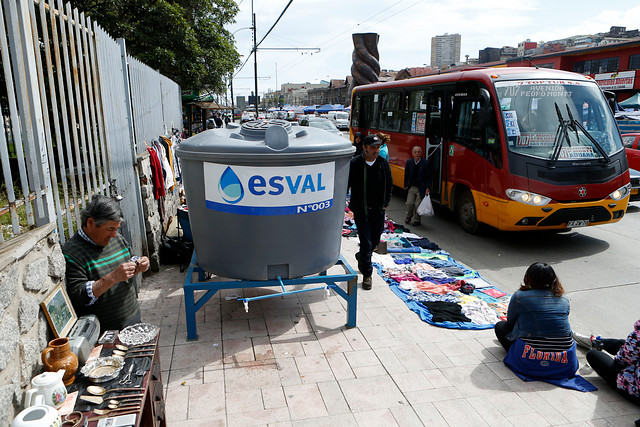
x: 405, y: 28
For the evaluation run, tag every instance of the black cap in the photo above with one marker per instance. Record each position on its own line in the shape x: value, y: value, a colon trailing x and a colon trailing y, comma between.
x: 372, y: 141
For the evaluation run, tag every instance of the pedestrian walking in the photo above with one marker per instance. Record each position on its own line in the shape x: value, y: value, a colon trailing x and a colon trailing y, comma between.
x: 370, y: 183
x: 417, y: 182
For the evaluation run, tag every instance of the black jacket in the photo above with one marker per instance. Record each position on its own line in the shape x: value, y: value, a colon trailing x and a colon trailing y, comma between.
x: 424, y: 175
x: 378, y: 187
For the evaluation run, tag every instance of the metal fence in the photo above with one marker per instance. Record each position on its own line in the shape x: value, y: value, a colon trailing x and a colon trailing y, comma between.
x: 75, y: 111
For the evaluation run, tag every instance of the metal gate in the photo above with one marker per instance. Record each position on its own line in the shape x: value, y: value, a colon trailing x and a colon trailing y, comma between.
x: 70, y: 129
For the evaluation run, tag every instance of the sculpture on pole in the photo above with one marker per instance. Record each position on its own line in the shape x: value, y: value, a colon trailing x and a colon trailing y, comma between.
x: 366, y: 66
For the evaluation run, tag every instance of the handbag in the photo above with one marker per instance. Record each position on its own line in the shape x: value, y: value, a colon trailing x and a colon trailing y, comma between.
x: 425, y: 208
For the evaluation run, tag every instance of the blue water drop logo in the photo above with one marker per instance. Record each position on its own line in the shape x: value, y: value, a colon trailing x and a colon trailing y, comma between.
x: 230, y: 186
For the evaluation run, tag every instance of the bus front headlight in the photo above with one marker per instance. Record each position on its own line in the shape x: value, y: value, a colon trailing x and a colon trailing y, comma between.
x: 621, y: 192
x: 527, y: 197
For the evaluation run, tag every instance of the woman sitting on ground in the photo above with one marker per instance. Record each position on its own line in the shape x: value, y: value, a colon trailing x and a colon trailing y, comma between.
x: 537, y: 335
x: 623, y: 370
x: 538, y: 312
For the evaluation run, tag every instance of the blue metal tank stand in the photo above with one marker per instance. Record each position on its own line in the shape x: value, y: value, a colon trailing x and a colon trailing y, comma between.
x: 329, y: 281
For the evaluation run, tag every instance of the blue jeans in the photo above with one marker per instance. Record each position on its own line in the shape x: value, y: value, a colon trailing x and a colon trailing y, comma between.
x: 370, y: 228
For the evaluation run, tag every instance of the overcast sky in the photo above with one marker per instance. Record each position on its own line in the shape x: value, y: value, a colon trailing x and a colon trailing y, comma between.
x: 405, y: 28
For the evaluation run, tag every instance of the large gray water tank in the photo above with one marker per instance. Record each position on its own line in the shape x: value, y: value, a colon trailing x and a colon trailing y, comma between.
x: 266, y: 199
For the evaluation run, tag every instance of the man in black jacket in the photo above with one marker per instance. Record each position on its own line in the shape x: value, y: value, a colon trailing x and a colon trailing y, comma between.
x: 370, y: 182
x: 417, y: 181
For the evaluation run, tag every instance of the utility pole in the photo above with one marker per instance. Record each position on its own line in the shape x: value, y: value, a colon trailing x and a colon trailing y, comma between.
x: 233, y: 108
x: 255, y: 59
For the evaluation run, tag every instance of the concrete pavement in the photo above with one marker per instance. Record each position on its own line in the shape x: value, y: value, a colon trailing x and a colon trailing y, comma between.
x: 291, y: 362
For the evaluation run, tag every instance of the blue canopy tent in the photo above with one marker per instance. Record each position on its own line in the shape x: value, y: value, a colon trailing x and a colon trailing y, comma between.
x: 325, y: 108
x: 309, y: 109
x: 632, y: 102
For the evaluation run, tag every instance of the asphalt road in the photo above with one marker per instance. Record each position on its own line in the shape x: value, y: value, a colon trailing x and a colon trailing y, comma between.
x: 599, y: 267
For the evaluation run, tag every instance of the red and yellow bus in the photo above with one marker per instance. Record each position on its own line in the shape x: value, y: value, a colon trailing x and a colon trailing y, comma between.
x: 514, y: 148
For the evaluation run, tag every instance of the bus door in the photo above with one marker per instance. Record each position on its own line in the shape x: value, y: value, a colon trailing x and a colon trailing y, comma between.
x: 365, y: 115
x: 473, y: 157
x: 434, y: 133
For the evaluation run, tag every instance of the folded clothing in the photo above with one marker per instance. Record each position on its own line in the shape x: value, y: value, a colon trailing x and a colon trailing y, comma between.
x: 445, y: 312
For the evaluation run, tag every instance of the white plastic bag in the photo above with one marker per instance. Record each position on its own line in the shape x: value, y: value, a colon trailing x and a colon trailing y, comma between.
x: 425, y: 208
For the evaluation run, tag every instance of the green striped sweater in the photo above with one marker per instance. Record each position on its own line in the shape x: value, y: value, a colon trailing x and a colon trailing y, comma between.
x: 87, y: 261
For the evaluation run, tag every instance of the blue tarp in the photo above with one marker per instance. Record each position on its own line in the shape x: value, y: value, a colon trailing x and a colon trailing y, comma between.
x: 325, y: 108
x: 309, y: 109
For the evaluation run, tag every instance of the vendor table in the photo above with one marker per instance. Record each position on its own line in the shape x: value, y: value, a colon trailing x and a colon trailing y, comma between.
x: 329, y: 281
x: 151, y: 412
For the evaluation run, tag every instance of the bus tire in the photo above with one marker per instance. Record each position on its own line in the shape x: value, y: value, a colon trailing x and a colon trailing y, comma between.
x: 466, y: 213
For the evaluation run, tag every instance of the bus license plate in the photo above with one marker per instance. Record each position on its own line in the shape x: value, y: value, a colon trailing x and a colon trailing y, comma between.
x: 578, y: 223
x: 634, y: 191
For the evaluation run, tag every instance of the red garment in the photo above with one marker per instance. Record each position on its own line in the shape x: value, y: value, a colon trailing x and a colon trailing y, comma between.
x: 156, y: 174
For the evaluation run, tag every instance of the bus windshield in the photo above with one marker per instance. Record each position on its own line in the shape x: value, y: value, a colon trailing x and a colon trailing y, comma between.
x: 557, y: 119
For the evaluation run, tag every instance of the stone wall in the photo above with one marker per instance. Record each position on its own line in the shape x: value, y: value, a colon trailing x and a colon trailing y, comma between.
x: 31, y: 266
x: 153, y: 225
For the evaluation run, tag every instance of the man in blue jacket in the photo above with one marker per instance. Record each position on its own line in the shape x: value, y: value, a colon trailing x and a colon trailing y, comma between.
x: 370, y: 182
x: 417, y: 181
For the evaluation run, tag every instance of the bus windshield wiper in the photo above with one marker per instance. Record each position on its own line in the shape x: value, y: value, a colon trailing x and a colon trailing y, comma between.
x: 576, y: 125
x: 561, y: 134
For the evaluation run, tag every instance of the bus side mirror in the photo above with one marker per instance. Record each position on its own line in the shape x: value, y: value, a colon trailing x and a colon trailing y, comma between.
x: 485, y: 111
x: 611, y: 100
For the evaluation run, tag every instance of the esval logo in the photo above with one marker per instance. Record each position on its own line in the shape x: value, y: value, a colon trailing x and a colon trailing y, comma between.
x: 283, y: 190
x: 230, y: 186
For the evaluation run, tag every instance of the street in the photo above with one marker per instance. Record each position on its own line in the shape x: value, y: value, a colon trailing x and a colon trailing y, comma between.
x: 598, y: 266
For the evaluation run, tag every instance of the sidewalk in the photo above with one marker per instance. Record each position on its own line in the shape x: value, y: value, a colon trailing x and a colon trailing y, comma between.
x: 291, y: 362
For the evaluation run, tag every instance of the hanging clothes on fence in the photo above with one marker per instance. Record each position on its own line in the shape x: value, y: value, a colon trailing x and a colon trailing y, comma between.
x: 169, y: 181
x: 156, y: 174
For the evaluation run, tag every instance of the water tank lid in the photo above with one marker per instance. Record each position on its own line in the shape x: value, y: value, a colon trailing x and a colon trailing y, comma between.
x: 257, y: 140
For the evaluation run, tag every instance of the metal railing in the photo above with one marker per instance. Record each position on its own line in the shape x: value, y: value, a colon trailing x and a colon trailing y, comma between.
x: 74, y: 108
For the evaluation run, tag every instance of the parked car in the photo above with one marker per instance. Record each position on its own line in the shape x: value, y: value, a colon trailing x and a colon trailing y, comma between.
x: 631, y: 143
x: 246, y: 116
x: 320, y: 123
x: 635, y: 185
x: 339, y: 118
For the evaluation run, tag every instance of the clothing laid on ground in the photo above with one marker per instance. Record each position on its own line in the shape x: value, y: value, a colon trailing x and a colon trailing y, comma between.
x: 370, y: 194
x: 623, y: 370
x: 446, y: 311
x: 85, y: 261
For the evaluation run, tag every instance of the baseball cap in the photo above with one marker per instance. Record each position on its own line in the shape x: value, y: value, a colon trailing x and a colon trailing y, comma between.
x: 372, y: 141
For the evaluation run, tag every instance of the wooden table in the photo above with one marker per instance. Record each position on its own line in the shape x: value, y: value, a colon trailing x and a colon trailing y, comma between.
x: 151, y: 413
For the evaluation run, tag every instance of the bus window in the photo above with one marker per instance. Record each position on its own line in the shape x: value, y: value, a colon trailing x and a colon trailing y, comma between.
x: 530, y: 111
x: 468, y: 124
x: 390, y: 111
x: 355, y: 111
x: 415, y: 111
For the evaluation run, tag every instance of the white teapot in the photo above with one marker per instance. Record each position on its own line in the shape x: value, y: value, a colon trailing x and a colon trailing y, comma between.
x: 49, y: 385
x: 39, y: 415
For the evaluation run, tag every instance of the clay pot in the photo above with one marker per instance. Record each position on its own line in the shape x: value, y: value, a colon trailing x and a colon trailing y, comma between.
x: 59, y: 356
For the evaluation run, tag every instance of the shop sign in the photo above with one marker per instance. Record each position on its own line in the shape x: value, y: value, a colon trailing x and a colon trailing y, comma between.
x: 612, y: 81
x: 284, y: 190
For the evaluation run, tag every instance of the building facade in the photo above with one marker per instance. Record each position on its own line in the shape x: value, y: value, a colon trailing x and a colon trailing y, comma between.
x: 445, y: 50
x: 616, y: 67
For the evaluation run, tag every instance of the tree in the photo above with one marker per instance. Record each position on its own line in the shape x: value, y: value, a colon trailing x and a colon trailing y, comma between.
x: 184, y: 39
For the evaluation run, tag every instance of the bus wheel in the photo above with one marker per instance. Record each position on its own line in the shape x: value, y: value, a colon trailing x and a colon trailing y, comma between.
x: 466, y: 213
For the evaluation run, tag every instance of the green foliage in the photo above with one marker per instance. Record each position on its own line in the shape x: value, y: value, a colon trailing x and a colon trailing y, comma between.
x: 184, y: 39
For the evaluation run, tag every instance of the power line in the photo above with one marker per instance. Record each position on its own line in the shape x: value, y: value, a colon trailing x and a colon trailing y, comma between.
x: 275, y: 23
x: 299, y: 60
x: 265, y: 36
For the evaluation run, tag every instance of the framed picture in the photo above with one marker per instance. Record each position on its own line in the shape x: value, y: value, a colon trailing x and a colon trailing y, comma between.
x: 59, y: 312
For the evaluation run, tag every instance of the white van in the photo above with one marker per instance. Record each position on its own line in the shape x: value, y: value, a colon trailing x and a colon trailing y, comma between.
x: 340, y: 119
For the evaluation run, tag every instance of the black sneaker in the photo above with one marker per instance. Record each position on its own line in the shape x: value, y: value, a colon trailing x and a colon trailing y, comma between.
x: 366, y: 283
x: 407, y: 220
